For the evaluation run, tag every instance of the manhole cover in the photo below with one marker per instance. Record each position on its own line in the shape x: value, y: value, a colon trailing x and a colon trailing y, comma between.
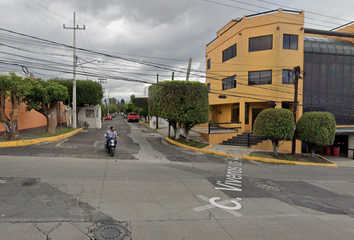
x: 29, y: 183
x: 110, y: 231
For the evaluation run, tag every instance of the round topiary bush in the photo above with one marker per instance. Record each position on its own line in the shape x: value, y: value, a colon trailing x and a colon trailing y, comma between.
x: 275, y: 124
x: 316, y: 129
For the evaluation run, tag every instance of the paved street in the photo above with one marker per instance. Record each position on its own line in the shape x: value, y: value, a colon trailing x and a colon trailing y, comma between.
x: 67, y: 189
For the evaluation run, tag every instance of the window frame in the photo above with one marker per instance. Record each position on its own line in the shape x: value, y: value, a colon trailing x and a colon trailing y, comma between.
x: 260, y: 77
x: 260, y: 47
x: 233, y: 53
x: 288, y: 78
x: 232, y: 83
x: 89, y: 113
x: 208, y: 64
x: 287, y: 44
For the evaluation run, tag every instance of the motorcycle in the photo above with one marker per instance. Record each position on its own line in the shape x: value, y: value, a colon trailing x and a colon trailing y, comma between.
x: 111, y: 146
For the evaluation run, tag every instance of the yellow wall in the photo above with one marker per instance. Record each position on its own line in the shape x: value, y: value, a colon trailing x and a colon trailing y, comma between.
x: 276, y: 59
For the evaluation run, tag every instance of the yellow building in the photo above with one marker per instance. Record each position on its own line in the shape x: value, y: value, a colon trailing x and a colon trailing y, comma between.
x: 250, y: 68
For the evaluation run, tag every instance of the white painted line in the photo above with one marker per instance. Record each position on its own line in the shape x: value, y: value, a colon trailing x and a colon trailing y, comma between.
x: 95, y: 144
x: 210, y: 206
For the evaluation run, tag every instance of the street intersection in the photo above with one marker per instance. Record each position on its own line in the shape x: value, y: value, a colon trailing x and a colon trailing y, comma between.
x: 72, y: 189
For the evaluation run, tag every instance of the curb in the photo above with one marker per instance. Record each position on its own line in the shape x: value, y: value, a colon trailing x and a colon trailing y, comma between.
x: 259, y: 159
x: 38, y: 140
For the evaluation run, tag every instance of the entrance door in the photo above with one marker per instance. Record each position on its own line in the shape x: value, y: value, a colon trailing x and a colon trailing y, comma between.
x: 255, y: 112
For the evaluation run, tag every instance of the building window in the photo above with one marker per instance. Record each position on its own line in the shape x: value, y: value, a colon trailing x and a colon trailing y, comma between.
x: 229, y: 82
x: 90, y: 113
x: 229, y: 53
x: 247, y: 106
x: 208, y: 64
x: 235, y: 113
x: 260, y: 43
x: 260, y: 77
x: 288, y: 76
x: 208, y: 87
x: 290, y: 41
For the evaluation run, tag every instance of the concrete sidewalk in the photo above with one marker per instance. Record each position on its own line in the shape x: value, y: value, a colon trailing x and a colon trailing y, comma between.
x: 244, y: 151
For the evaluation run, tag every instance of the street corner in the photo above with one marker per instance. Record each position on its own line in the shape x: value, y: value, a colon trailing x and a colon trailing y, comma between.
x: 204, y: 150
x: 38, y: 140
x: 277, y: 161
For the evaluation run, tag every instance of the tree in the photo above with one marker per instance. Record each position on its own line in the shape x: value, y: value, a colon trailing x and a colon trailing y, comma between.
x: 128, y: 108
x: 87, y: 92
x: 181, y: 102
x: 103, y: 110
x: 142, y: 113
x: 275, y: 124
x: 122, y: 101
x: 132, y: 97
x: 112, y: 101
x: 316, y: 129
x: 14, y: 87
x: 141, y: 103
x: 113, y: 108
x: 43, y: 97
x: 136, y: 109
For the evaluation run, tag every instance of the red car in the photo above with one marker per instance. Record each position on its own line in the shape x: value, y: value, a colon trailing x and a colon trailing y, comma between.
x: 133, y: 117
x: 108, y: 117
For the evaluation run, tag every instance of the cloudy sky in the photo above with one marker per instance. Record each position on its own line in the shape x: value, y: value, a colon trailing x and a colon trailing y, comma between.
x: 129, y: 42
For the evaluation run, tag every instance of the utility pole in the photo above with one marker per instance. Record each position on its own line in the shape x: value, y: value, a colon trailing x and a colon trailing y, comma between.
x: 157, y: 118
x: 189, y: 69
x: 102, y: 81
x: 74, y: 68
x: 173, y: 76
x: 108, y: 100
x: 297, y: 76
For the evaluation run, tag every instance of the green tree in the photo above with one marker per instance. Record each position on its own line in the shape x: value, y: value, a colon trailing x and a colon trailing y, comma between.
x: 122, y: 101
x: 112, y: 101
x: 87, y: 92
x: 136, y: 109
x: 128, y: 108
x: 275, y: 124
x: 316, y: 129
x: 132, y: 97
x: 142, y: 113
x: 44, y: 97
x: 141, y: 103
x: 113, y: 108
x: 14, y: 87
x: 103, y: 110
x: 181, y: 102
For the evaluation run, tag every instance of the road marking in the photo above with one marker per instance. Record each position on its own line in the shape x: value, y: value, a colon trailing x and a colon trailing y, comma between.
x: 95, y: 144
x: 218, y: 205
x: 58, y: 145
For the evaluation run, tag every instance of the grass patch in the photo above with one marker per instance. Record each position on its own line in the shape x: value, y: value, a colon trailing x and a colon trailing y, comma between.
x: 57, y: 133
x: 182, y: 140
x: 303, y: 157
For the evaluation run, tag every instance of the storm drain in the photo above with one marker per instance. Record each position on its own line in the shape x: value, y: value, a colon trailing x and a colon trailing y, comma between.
x: 110, y: 232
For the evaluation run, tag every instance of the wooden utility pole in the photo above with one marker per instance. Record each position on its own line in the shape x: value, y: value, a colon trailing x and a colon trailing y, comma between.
x: 297, y: 74
x: 157, y: 118
x: 189, y: 69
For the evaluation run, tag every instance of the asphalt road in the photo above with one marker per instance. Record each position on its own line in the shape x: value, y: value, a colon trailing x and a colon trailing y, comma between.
x: 67, y: 189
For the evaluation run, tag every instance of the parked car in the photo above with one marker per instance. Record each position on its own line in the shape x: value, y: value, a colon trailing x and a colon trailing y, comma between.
x: 133, y: 117
x: 108, y: 117
x: 113, y: 115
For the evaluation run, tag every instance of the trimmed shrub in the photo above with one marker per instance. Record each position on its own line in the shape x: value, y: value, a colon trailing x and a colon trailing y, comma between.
x: 275, y: 124
x: 136, y: 109
x: 316, y: 129
x: 182, y: 102
x: 128, y: 108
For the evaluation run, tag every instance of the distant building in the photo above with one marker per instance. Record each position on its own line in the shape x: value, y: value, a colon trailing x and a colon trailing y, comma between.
x: 250, y: 67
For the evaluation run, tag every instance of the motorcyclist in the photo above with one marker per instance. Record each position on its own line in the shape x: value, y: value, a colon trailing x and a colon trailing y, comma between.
x: 110, y: 134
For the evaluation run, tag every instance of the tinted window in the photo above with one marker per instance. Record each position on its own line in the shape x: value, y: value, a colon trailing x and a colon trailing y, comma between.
x: 261, y: 43
x: 290, y: 41
x: 229, y: 82
x: 288, y: 76
x: 208, y: 64
x: 209, y: 87
x: 229, y: 53
x: 260, y: 77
